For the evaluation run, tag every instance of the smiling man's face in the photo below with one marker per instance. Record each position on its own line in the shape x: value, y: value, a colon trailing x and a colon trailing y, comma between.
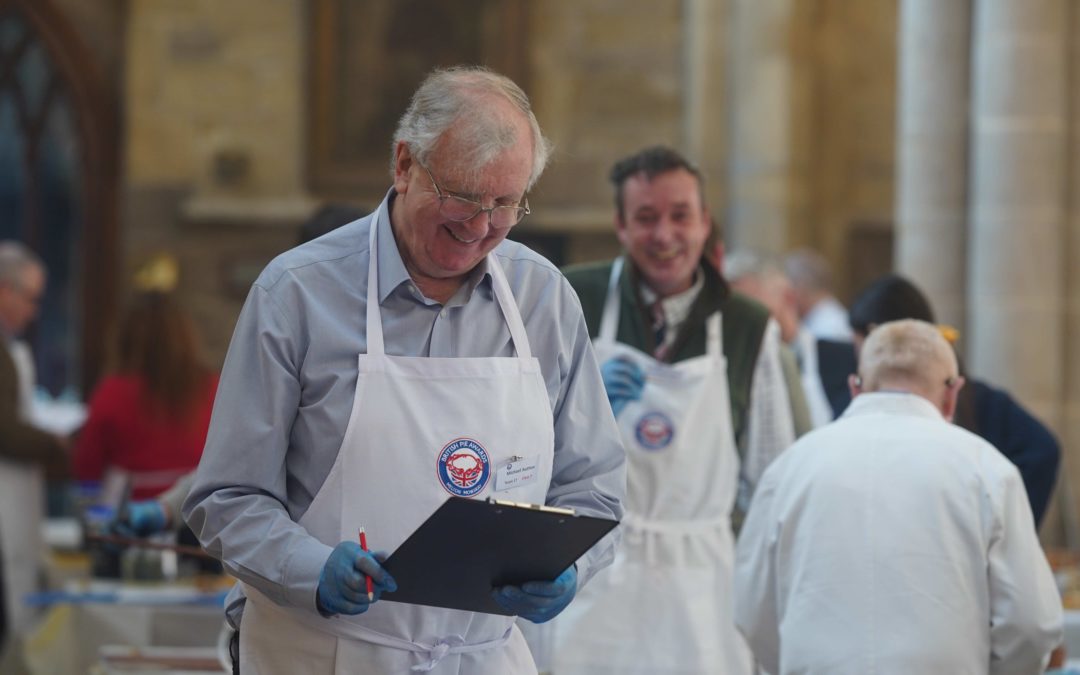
x: 663, y: 227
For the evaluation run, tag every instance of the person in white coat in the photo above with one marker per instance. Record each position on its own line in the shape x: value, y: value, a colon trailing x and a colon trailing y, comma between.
x: 892, y: 541
x: 403, y: 358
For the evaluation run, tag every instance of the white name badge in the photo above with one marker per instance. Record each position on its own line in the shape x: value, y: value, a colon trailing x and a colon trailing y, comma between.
x: 516, y: 472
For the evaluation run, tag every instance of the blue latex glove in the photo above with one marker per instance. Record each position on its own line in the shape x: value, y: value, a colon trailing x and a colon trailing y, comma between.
x: 342, y: 588
x: 539, y: 601
x: 141, y: 519
x: 623, y: 381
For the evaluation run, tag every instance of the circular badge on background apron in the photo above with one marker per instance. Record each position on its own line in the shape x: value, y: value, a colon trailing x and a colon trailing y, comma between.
x: 654, y: 431
x: 463, y: 467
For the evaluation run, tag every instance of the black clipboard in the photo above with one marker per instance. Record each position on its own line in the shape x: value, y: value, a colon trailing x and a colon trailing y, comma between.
x: 470, y: 546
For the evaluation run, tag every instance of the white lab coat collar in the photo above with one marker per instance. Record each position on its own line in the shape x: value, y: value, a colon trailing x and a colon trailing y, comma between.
x: 892, y: 403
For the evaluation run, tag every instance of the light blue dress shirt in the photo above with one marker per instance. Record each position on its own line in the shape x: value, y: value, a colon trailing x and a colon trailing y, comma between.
x: 289, y: 378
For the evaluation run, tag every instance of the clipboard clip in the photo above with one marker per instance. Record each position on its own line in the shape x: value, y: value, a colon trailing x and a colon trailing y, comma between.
x: 535, y: 507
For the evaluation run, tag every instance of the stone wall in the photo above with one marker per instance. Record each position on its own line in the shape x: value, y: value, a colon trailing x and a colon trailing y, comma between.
x: 214, y: 144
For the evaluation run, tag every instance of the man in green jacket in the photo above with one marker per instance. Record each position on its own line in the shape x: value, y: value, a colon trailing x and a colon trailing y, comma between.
x: 695, y: 379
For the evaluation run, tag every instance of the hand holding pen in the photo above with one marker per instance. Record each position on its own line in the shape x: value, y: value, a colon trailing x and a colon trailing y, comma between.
x: 367, y: 577
x: 352, y: 579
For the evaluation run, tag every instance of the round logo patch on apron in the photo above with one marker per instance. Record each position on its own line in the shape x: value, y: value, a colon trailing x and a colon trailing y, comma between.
x: 654, y: 431
x: 463, y: 467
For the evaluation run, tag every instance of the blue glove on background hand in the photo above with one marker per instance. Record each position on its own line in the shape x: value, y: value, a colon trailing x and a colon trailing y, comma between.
x: 539, y: 601
x: 342, y: 588
x: 141, y: 519
x: 623, y: 381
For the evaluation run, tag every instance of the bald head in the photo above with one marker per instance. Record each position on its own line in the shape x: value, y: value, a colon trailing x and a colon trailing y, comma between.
x: 911, y: 356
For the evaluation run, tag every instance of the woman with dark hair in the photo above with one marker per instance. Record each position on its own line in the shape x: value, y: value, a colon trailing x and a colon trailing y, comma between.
x: 149, y: 417
x: 984, y: 410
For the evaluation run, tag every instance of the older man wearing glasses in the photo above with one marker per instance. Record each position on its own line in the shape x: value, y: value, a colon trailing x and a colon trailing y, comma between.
x: 360, y: 358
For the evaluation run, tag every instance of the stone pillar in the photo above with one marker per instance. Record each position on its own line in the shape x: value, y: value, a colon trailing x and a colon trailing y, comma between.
x: 931, y: 190
x: 1018, y: 195
x: 762, y: 172
x: 704, y: 93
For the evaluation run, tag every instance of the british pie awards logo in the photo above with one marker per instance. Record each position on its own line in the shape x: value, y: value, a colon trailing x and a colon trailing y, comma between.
x: 654, y: 431
x: 463, y: 467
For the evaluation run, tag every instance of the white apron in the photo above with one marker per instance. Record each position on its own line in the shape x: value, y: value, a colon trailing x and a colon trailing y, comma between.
x: 22, y: 509
x: 421, y: 429
x: 665, y: 605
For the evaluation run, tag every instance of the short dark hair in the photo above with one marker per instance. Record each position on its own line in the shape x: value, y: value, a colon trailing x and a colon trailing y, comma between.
x: 652, y: 161
x: 889, y: 298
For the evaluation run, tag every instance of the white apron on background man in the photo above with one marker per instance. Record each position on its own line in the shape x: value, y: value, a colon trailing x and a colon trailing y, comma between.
x: 22, y: 508
x: 421, y: 429
x: 665, y: 606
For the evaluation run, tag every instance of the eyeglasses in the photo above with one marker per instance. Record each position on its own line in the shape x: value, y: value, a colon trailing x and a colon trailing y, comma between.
x: 460, y: 209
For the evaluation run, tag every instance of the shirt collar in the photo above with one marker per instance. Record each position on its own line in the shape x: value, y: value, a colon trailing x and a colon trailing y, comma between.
x: 392, y: 272
x: 892, y: 403
x: 676, y: 307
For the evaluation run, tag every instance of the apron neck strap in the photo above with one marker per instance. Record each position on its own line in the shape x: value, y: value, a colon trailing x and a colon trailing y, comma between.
x: 609, y: 321
x: 375, y: 346
x: 503, y: 296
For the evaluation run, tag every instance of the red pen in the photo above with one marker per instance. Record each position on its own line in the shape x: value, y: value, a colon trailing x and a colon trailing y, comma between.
x: 367, y: 579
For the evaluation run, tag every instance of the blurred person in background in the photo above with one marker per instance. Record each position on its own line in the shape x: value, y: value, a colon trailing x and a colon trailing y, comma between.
x: 328, y: 218
x: 27, y: 454
x: 892, y: 541
x: 982, y: 409
x: 823, y: 365
x: 693, y: 373
x: 22, y: 284
x: 819, y: 310
x: 148, y: 418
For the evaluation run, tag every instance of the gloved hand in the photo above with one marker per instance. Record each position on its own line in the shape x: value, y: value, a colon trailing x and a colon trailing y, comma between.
x: 539, y: 601
x: 623, y: 381
x: 141, y: 519
x: 342, y: 588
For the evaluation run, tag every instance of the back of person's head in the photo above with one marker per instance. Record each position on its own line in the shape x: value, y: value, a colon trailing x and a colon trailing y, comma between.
x: 889, y: 298
x: 912, y: 356
x: 157, y: 341
x: 761, y: 277
x: 652, y: 162
x: 328, y: 218
x: 462, y: 95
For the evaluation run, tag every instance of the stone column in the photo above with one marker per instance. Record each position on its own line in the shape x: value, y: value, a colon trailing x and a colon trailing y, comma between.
x: 763, y: 173
x: 931, y: 189
x: 1018, y: 195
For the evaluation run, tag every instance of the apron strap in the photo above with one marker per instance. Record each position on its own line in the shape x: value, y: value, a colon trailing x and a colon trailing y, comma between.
x: 714, y: 336
x: 609, y: 322
x: 503, y: 295
x: 375, y: 346
x: 509, y: 308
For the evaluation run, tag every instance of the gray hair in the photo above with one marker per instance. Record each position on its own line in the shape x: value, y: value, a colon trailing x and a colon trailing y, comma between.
x: 907, y: 353
x: 747, y: 264
x: 448, y: 95
x: 15, y: 257
x: 808, y: 269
